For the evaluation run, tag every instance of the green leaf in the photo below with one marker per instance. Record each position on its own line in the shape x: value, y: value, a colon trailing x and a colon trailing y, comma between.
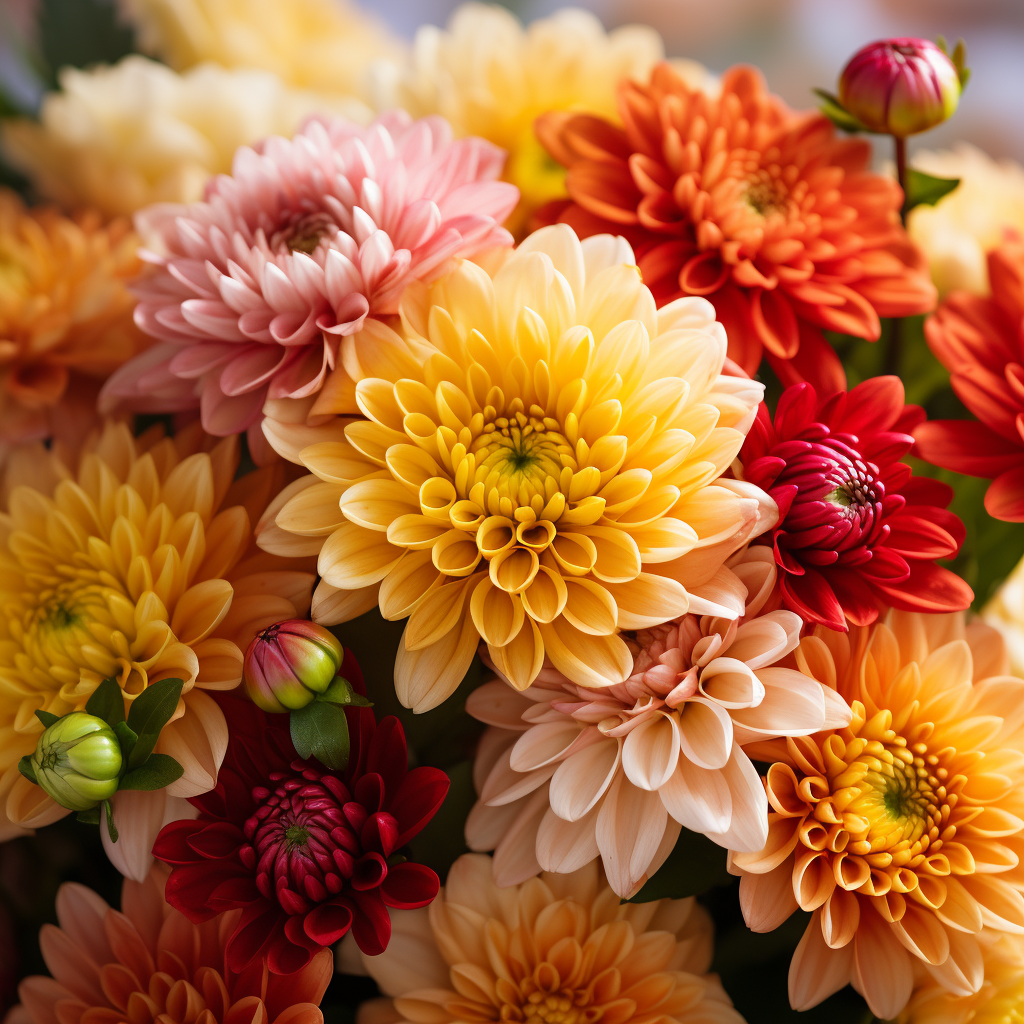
x: 90, y: 817
x: 26, y: 769
x: 830, y: 106
x: 107, y: 702
x: 925, y: 189
x: 695, y: 865
x: 47, y: 719
x: 340, y: 692
x: 149, y: 713
x: 111, y: 828
x: 320, y: 730
x: 127, y: 738
x: 158, y: 771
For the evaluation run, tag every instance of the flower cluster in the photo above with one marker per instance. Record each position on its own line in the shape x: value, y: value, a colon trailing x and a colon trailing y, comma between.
x: 529, y: 370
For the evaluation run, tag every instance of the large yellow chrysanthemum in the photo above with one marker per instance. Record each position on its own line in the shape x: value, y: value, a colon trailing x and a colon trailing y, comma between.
x: 490, y: 76
x: 538, y: 467
x: 127, y: 566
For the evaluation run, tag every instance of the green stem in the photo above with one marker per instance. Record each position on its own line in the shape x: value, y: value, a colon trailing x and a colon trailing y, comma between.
x: 895, y: 347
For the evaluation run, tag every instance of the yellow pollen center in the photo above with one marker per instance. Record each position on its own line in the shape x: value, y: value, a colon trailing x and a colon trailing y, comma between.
x: 543, y: 998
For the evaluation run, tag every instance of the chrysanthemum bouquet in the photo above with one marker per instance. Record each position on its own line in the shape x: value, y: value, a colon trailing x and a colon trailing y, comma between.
x: 654, y: 448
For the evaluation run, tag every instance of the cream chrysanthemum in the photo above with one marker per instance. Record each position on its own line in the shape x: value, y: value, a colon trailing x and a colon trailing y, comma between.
x: 137, y: 564
x: 539, y: 467
x: 321, y: 45
x: 491, y: 77
x: 1004, y: 611
x: 121, y: 137
x: 558, y: 949
x: 959, y: 231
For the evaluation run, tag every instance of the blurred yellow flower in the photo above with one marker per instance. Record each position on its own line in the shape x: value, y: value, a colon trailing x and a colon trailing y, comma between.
x: 120, y: 137
x: 958, y: 232
x: 492, y: 77
x: 321, y: 45
x: 1005, y: 612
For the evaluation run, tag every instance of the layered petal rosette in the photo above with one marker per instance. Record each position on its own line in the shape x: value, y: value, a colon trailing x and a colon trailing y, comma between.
x: 901, y: 832
x: 255, y: 289
x: 568, y: 774
x: 148, y: 964
x: 137, y: 563
x: 979, y: 340
x: 540, y: 466
x: 307, y: 853
x: 762, y: 210
x: 558, y: 949
x: 857, y: 532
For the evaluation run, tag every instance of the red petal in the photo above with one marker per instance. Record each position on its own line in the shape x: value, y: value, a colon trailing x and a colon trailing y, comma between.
x: 812, y: 598
x: 966, y: 446
x: 409, y: 886
x: 371, y: 924
x: 328, y: 922
x: 418, y: 798
x: 1005, y: 496
x: 930, y: 588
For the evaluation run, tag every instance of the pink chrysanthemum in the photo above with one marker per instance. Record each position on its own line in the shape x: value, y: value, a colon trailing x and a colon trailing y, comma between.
x: 257, y: 286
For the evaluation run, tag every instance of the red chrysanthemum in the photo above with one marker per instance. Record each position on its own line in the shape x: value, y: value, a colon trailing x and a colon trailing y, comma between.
x: 305, y: 852
x: 761, y: 209
x: 981, y: 342
x: 857, y: 532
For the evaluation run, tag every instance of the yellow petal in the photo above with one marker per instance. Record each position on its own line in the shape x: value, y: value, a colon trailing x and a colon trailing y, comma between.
x: 353, y: 558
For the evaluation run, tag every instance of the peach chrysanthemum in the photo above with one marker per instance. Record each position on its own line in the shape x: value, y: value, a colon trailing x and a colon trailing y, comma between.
x: 137, y: 564
x: 539, y: 467
x: 490, y: 76
x: 149, y: 965
x: 568, y: 774
x: 119, y: 137
x: 65, y: 316
x: 558, y: 949
x: 902, y: 831
x: 761, y: 209
x: 1000, y: 1000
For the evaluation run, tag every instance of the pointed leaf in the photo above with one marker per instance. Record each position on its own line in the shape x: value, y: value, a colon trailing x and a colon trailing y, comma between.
x: 47, y: 718
x: 127, y: 738
x: 158, y: 771
x: 107, y: 702
x: 341, y: 692
x: 26, y: 769
x: 831, y: 107
x: 925, y: 189
x: 90, y: 817
x: 320, y: 730
x: 111, y: 828
x: 149, y: 713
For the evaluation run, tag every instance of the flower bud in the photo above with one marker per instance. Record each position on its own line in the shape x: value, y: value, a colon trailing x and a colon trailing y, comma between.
x: 289, y: 663
x: 77, y: 761
x: 900, y: 86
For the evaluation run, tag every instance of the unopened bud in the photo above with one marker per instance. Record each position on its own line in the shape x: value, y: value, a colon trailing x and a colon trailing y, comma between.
x: 289, y: 663
x: 77, y: 761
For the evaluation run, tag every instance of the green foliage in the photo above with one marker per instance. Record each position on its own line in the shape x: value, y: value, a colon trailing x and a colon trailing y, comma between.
x: 925, y: 189
x: 47, y: 718
x: 109, y: 815
x: 149, y: 713
x: 107, y: 702
x: 834, y: 110
x: 694, y: 866
x: 320, y: 730
x: 159, y: 770
x: 26, y: 768
x: 341, y: 692
x: 80, y: 33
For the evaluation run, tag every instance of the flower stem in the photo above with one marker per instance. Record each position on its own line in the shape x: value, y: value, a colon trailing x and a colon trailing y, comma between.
x: 901, y: 171
x: 894, y: 350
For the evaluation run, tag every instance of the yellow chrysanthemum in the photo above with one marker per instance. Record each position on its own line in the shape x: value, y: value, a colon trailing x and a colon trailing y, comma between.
x: 960, y: 230
x: 321, y: 45
x: 1000, y: 1000
x: 127, y: 567
x: 120, y: 137
x: 490, y: 76
x: 539, y: 467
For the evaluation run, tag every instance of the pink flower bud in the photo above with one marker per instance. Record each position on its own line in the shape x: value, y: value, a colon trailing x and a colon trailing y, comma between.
x: 900, y: 86
x: 289, y: 663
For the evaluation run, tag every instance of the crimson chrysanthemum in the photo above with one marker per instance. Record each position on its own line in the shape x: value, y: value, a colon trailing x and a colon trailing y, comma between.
x: 857, y: 532
x: 981, y: 342
x: 306, y: 853
x: 760, y: 209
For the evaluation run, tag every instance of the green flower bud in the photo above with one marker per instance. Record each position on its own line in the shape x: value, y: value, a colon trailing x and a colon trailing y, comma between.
x: 77, y: 761
x: 289, y: 663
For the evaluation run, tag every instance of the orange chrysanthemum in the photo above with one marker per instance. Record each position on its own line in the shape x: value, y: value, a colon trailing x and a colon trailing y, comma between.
x: 65, y: 314
x: 903, y: 831
x: 760, y: 209
x: 148, y: 964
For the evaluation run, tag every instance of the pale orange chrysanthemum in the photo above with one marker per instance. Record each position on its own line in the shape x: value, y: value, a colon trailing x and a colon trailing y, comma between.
x: 148, y: 964
x: 540, y: 467
x: 558, y: 949
x: 137, y: 564
x: 65, y: 315
x: 903, y: 831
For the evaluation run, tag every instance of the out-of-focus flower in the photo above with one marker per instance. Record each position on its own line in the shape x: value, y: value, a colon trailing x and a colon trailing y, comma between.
x: 901, y: 831
x: 289, y: 663
x: 857, y: 533
x: 1005, y: 612
x: 1000, y: 1000
x: 136, y: 564
x: 900, y: 86
x: 120, y: 137
x: 77, y: 761
x: 959, y: 231
x: 540, y: 467
x: 65, y: 316
x: 557, y: 948
x: 979, y: 341
x: 490, y: 76
x: 147, y: 964
x: 763, y: 211
x: 321, y: 45
x: 633, y: 761
x: 304, y: 852
x: 257, y: 288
